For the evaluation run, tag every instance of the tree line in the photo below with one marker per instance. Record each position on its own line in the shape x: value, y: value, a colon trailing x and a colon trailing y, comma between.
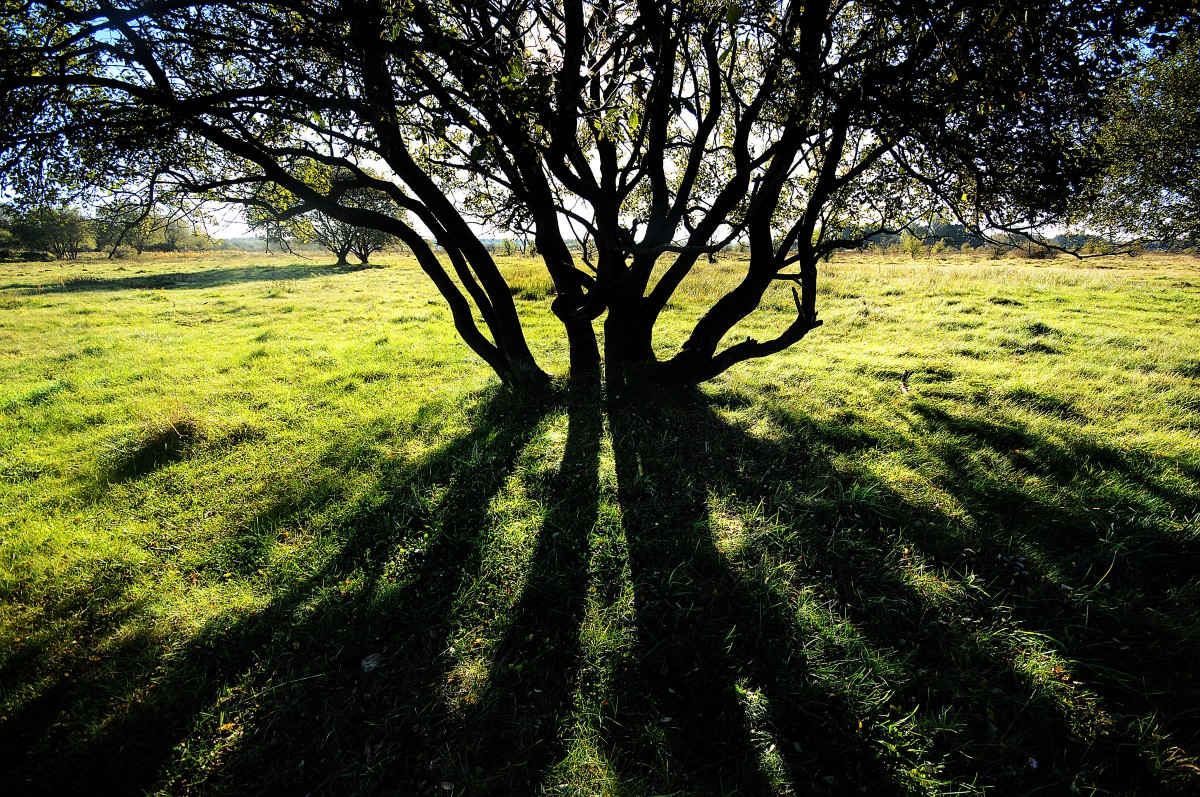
x: 63, y: 232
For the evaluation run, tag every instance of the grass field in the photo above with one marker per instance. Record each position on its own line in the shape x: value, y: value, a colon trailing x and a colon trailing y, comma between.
x: 267, y: 527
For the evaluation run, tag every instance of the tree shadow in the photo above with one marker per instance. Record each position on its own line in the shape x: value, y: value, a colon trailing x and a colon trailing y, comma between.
x: 1080, y: 566
x: 719, y: 697
x: 794, y: 627
x: 118, y: 724
x: 1021, y: 686
x: 191, y: 280
x: 508, y: 732
x: 1103, y: 560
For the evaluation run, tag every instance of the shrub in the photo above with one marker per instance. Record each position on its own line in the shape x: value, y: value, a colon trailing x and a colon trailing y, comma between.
x: 1096, y: 247
x: 911, y: 245
x: 1040, y: 253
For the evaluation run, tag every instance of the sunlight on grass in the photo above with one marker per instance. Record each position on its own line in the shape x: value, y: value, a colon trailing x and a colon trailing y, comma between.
x: 730, y: 536
x: 585, y: 770
x: 483, y: 605
x: 756, y: 708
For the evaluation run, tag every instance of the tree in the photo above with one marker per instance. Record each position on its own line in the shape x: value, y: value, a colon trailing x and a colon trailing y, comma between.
x: 60, y: 231
x: 1151, y: 192
x: 336, y: 236
x: 149, y: 217
x: 8, y: 240
x: 657, y: 132
x: 134, y: 227
x: 911, y: 245
x: 367, y: 241
x: 343, y: 238
x: 274, y: 212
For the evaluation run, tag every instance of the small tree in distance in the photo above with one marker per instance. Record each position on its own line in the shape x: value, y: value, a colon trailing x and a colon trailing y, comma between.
x: 60, y: 231
x: 336, y: 236
x: 135, y: 227
x: 273, y: 212
x: 911, y: 245
x: 149, y: 222
x: 367, y: 241
x: 341, y: 237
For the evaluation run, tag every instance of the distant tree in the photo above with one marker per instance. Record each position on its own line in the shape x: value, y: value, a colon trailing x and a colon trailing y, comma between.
x: 911, y: 245
x: 60, y: 231
x: 180, y: 235
x: 140, y: 232
x: 368, y: 240
x: 177, y: 236
x: 130, y: 221
x: 660, y: 131
x: 329, y: 233
x: 1151, y: 192
x: 955, y: 234
x: 274, y: 212
x: 8, y: 240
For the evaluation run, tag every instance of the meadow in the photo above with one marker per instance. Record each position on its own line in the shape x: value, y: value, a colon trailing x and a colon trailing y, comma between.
x: 268, y: 527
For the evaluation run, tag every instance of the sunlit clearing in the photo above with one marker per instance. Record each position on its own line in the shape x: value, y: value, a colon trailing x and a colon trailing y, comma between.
x: 763, y: 736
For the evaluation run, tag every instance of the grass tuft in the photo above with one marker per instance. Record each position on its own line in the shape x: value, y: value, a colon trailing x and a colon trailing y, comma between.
x: 155, y: 443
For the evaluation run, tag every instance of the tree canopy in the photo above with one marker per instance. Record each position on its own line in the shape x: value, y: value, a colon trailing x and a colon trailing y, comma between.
x: 1150, y: 191
x: 655, y: 133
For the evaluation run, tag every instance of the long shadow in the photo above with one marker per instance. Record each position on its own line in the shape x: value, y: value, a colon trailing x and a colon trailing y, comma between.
x: 719, y: 697
x: 775, y: 651
x: 190, y: 280
x: 713, y: 631
x: 1101, y: 569
x: 511, y: 735
x: 1093, y: 579
x: 315, y: 633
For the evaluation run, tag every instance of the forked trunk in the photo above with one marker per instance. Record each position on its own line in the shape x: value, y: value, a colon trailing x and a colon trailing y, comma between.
x: 628, y: 353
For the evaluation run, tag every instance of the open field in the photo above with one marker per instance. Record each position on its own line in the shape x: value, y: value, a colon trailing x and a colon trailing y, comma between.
x: 267, y: 527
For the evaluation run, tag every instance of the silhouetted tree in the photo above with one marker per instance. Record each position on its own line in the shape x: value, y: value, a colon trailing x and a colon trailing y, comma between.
x: 657, y: 131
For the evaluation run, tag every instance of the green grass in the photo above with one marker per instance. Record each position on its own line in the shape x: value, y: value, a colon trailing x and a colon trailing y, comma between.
x: 267, y: 527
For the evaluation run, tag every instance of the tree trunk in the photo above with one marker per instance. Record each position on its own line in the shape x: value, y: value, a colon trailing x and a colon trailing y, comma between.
x: 583, y: 349
x: 628, y: 350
